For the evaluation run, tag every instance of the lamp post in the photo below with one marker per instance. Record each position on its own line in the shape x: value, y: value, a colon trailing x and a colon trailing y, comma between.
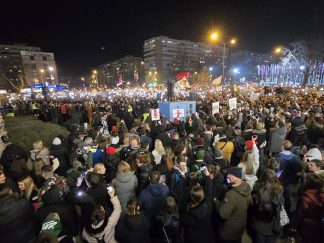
x: 214, y: 38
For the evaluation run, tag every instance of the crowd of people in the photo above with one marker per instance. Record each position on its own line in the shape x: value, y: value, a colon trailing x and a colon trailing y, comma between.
x: 257, y: 170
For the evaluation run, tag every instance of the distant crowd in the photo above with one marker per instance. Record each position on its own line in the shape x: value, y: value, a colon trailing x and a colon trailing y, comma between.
x: 256, y: 170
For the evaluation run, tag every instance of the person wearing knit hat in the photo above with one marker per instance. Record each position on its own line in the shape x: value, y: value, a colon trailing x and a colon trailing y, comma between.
x: 110, y: 150
x: 312, y: 154
x: 52, y: 224
x: 200, y: 142
x: 233, y: 208
x: 235, y: 171
x: 200, y: 155
x: 115, y: 141
x: 56, y: 141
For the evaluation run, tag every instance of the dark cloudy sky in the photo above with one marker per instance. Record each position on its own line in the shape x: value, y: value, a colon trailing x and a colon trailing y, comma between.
x: 76, y: 31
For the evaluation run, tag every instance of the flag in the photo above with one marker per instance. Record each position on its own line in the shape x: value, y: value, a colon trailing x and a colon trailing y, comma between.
x: 217, y: 81
x: 135, y: 74
x: 120, y: 80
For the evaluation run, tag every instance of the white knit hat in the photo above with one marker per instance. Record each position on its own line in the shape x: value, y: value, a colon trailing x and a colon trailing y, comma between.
x: 114, y: 140
x: 314, y: 153
x: 56, y: 141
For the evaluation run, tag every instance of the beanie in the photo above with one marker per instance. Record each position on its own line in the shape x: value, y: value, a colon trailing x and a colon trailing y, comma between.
x: 56, y: 141
x: 52, y: 224
x: 249, y: 144
x: 314, y: 153
x: 235, y: 171
x: 114, y: 128
x: 200, y: 155
x: 200, y: 141
x: 114, y: 140
x: 259, y: 126
x: 110, y: 150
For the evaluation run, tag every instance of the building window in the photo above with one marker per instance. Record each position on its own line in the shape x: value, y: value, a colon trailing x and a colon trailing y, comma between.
x: 32, y: 58
x: 44, y: 58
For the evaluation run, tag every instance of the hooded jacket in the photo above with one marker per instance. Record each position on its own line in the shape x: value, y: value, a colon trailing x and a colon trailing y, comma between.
x: 125, y: 185
x: 133, y: 229
x: 105, y: 230
x: 53, y: 203
x: 178, y: 181
x: 290, y: 166
x: 151, y: 198
x: 233, y: 212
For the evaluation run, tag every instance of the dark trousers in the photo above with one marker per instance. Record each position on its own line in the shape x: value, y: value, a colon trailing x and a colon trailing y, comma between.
x: 219, y: 239
x: 264, y: 238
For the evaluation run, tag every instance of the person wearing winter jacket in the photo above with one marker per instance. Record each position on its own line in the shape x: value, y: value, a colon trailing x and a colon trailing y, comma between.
x: 239, y: 144
x: 102, y: 226
x: 16, y: 218
x: 267, y: 195
x: 134, y: 226
x: 61, y: 153
x: 309, y: 216
x: 277, y: 136
x: 125, y: 184
x: 250, y: 163
x: 39, y: 151
x: 179, y: 177
x: 153, y: 195
x: 53, y: 202
x: 144, y: 168
x: 196, y: 218
x: 166, y: 223
x: 290, y: 165
x: 233, y: 208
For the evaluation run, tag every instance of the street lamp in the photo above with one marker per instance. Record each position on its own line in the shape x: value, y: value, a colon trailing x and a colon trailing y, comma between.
x: 214, y: 37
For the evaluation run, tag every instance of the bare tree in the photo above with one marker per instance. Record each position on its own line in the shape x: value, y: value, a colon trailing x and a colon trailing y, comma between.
x: 17, y: 85
x: 309, y: 55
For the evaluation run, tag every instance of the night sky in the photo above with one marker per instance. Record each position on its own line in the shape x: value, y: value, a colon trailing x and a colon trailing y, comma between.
x: 84, y: 34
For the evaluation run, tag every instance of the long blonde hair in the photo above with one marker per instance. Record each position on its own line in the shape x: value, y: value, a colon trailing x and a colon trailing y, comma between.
x: 158, y: 146
x: 29, y: 186
x: 249, y: 163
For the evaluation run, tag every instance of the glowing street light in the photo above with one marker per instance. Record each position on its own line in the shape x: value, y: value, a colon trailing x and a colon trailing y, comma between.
x: 214, y: 36
x: 50, y: 69
x: 278, y: 50
x: 236, y: 70
x: 94, y: 71
x: 210, y: 68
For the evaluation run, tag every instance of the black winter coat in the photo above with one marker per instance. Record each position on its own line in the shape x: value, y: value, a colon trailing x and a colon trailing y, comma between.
x: 62, y: 154
x: 16, y: 220
x: 196, y: 221
x: 133, y: 229
x: 53, y: 204
x: 143, y: 173
x: 171, y: 225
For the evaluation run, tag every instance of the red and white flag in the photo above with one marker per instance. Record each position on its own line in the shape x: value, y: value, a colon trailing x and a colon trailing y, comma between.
x: 120, y: 80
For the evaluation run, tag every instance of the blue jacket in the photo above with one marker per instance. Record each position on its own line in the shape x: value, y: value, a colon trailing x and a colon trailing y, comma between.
x: 98, y: 157
x: 290, y: 165
x: 152, y: 197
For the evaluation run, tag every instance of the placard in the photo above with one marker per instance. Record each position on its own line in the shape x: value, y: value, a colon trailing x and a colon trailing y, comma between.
x: 178, y: 113
x: 232, y: 103
x: 215, y: 107
x: 155, y: 114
